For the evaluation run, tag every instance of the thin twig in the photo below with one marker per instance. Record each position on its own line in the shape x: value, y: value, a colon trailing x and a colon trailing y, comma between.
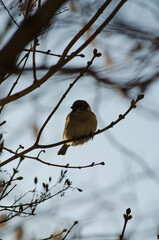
x: 127, y: 217
x: 15, y: 211
x: 92, y: 37
x: 95, y: 54
x: 16, y: 82
x: 34, y: 62
x: 8, y: 191
x: 52, y: 54
x: 85, y: 28
x: 37, y: 201
x: 52, y: 164
x: 111, y: 125
x: 2, y: 123
x: 24, y: 35
x: 60, y: 64
x: 9, y: 14
x: 2, y: 194
x: 76, y: 222
x: 93, y: 164
x: 54, y: 236
x: 25, y: 56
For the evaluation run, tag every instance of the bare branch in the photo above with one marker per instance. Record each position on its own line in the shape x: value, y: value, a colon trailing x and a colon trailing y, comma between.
x: 60, y: 63
x: 85, y: 28
x: 16, y: 82
x: 2, y: 123
x: 127, y: 217
x: 76, y: 222
x: 93, y: 164
x: 29, y: 28
x: 111, y: 125
x: 48, y: 52
x: 95, y: 54
x: 9, y: 14
x: 92, y: 37
x: 34, y: 63
x: 55, y: 236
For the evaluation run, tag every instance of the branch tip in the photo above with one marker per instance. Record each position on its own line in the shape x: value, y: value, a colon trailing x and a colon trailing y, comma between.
x: 128, y: 211
x: 96, y: 53
x: 102, y: 163
x: 139, y: 97
x: 82, y: 55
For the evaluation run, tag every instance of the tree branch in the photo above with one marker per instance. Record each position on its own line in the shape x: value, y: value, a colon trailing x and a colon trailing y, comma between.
x: 95, y: 54
x: 60, y: 63
x: 111, y: 125
x: 29, y: 29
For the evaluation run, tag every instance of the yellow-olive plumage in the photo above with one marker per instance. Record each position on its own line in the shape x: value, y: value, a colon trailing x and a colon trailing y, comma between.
x: 80, y: 121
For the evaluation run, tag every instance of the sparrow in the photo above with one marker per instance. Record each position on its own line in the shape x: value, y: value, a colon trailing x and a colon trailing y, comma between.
x: 79, y: 122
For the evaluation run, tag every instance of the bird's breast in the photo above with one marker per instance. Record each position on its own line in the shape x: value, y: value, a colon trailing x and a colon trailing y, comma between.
x: 79, y: 124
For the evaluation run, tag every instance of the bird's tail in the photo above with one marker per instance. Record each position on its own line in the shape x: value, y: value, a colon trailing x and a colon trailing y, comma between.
x: 63, y: 150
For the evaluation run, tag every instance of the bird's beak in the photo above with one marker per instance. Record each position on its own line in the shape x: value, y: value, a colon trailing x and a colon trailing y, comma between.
x: 71, y: 107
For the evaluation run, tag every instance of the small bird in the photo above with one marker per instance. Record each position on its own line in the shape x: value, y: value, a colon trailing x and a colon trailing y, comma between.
x: 79, y: 122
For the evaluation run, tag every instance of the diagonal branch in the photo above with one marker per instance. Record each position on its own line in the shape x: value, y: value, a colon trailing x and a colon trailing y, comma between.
x: 92, y: 37
x: 95, y: 54
x: 28, y: 30
x: 85, y: 28
x: 111, y: 125
x: 60, y: 64
x: 16, y: 82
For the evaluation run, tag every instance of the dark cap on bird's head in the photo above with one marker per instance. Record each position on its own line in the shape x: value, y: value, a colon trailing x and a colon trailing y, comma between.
x: 81, y: 104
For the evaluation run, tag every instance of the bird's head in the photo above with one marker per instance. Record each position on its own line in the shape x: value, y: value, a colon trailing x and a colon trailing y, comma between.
x: 80, y: 105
